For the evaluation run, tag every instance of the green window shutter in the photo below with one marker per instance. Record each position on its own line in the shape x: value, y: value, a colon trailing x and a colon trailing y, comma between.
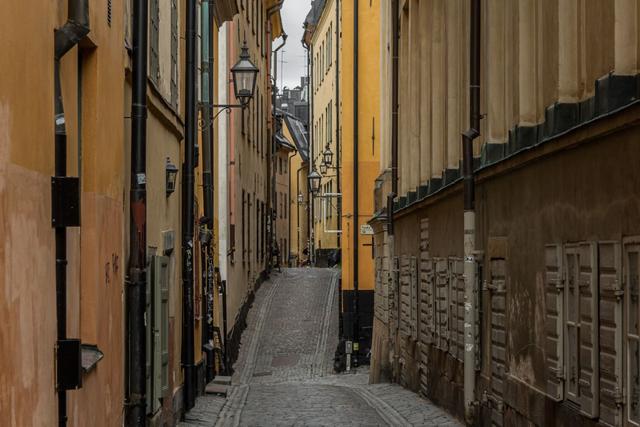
x: 164, y: 326
x: 442, y: 303
x: 589, y: 377
x: 611, y: 330
x: 157, y: 324
x: 149, y: 336
x: 554, y: 321
x: 154, y: 34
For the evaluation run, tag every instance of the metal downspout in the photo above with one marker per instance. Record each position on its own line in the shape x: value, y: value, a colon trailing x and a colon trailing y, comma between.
x: 356, y: 211
x: 470, y: 280
x: 188, y: 182
x: 272, y: 151
x: 65, y: 38
x: 394, y: 98
x: 207, y: 16
x: 338, y: 143
x: 137, y: 281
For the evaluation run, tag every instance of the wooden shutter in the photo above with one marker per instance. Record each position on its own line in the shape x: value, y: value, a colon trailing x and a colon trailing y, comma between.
x: 164, y: 325
x: 572, y: 323
x: 426, y: 317
x: 149, y: 335
x: 631, y: 267
x: 456, y: 307
x: 498, y: 336
x: 394, y: 301
x: 554, y: 322
x: 414, y: 300
x: 611, y: 329
x: 426, y: 288
x: 589, y: 325
x: 156, y: 321
x: 405, y: 296
x: 442, y: 303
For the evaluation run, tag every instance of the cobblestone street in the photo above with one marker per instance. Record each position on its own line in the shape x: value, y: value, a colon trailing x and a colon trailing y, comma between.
x: 284, y: 374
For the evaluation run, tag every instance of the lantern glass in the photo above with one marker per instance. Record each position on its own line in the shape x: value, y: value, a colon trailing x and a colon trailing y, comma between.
x: 314, y: 181
x: 171, y: 176
x: 323, y: 169
x: 300, y: 198
x: 245, y: 75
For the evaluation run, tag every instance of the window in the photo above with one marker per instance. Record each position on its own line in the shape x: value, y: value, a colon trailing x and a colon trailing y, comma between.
x: 329, y: 122
x: 174, y: 53
x: 154, y: 35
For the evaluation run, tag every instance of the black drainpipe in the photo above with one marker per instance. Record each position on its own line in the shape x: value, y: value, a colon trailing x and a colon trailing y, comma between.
x: 395, y: 7
x: 338, y: 143
x: 137, y: 280
x: 207, y: 183
x: 356, y: 213
x: 188, y: 182
x: 65, y: 38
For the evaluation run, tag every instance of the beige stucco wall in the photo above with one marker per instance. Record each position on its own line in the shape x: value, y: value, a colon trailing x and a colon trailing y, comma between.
x: 248, y: 161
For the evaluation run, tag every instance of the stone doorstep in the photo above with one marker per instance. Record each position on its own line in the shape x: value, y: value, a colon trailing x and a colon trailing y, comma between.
x: 218, y: 389
x: 222, y: 380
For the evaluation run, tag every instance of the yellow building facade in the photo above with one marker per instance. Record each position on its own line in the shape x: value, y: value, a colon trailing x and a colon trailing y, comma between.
x: 359, y: 76
x: 325, y: 207
x: 93, y: 99
x: 294, y: 131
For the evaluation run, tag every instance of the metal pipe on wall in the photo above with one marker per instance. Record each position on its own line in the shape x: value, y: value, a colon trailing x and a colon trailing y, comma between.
x: 271, y: 170
x: 395, y: 11
x: 207, y: 17
x: 356, y: 211
x: 188, y: 182
x: 65, y: 38
x: 206, y: 95
x: 470, y: 280
x: 137, y: 280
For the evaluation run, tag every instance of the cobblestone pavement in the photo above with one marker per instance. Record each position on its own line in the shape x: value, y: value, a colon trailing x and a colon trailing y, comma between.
x: 284, y: 374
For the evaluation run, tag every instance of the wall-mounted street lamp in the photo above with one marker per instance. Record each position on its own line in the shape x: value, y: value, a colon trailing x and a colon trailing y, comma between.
x: 171, y: 176
x: 314, y: 182
x: 245, y: 77
x: 327, y: 156
x: 300, y: 198
x: 323, y: 169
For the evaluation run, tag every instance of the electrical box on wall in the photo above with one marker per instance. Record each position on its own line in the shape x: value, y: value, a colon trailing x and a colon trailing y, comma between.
x: 68, y: 364
x: 65, y: 201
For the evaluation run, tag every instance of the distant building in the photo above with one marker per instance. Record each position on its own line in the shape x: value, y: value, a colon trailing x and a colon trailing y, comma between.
x: 295, y: 101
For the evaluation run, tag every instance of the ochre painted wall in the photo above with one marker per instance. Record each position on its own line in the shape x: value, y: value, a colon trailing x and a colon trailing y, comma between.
x: 368, y: 134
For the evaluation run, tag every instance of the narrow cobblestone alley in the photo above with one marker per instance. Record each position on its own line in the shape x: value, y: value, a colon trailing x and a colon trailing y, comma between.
x: 284, y: 374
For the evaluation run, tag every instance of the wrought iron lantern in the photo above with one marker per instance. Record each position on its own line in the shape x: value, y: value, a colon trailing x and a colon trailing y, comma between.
x: 171, y: 176
x: 314, y: 181
x: 327, y: 156
x: 245, y: 75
